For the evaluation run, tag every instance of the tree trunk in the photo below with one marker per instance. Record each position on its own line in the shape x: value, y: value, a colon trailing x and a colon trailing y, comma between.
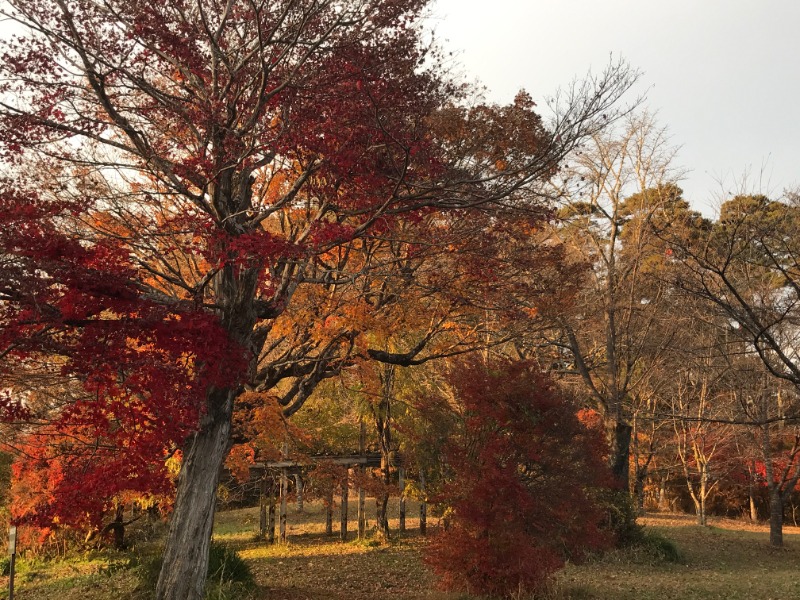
x: 695, y: 496
x: 663, y: 502
x: 118, y: 527
x: 701, y: 507
x: 638, y: 489
x: 775, y: 518
x: 619, y: 435
x: 696, y: 501
x: 382, y: 518
x: 185, y: 564
x: 639, y: 468
x: 382, y: 500
x: 383, y: 419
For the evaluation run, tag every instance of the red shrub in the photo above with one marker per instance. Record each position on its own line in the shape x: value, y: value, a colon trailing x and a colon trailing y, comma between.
x: 525, y: 474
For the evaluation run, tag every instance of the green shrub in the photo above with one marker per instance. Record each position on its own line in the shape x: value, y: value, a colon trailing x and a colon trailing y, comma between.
x: 5, y: 566
x: 621, y: 518
x: 660, y: 548
x: 225, y: 565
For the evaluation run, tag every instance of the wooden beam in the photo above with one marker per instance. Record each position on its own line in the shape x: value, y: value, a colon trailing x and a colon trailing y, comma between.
x: 372, y: 459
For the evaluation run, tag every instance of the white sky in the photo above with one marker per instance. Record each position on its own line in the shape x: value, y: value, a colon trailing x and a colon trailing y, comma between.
x: 722, y: 75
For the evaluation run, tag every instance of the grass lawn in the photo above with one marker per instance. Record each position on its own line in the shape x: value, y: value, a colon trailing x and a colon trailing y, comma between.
x: 729, y: 560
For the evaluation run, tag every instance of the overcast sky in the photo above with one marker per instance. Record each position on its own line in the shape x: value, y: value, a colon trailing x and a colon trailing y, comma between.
x: 722, y: 75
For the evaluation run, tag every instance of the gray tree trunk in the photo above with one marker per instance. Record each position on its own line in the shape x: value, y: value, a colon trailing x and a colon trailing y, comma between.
x: 185, y: 568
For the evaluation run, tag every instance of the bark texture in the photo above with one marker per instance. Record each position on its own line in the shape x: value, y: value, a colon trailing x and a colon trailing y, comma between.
x: 186, y: 552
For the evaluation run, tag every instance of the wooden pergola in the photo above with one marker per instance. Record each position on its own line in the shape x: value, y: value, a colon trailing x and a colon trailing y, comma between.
x: 289, y: 467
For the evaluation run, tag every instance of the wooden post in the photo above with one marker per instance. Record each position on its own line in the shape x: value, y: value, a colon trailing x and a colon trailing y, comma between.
x: 362, y: 510
x: 329, y: 513
x: 423, y: 506
x: 362, y: 514
x: 284, y: 493
x: 401, y: 476
x: 298, y: 483
x: 343, y: 508
x: 271, y: 510
x: 262, y: 507
x: 12, y: 550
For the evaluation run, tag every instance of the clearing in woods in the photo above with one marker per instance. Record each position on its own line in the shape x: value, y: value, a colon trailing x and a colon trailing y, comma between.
x: 729, y: 560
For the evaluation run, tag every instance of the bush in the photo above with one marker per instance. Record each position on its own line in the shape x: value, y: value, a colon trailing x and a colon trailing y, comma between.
x: 658, y: 547
x: 226, y: 566
x: 526, y: 487
x: 5, y: 566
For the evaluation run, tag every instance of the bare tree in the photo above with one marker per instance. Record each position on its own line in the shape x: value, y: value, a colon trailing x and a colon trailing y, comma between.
x: 620, y: 181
